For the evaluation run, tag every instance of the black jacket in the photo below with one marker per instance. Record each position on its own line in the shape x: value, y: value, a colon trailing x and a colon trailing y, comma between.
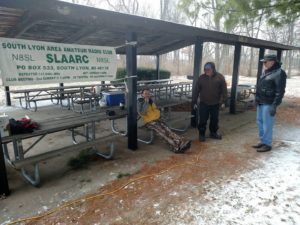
x: 271, y: 86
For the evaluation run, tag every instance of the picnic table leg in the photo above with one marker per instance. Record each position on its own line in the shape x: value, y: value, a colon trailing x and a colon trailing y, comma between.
x: 87, y: 135
x: 106, y: 155
x: 150, y: 141
x: 4, y: 189
x: 35, y: 179
x: 27, y: 100
x: 69, y: 96
x: 93, y: 130
x: 110, y: 154
x: 19, y: 154
x: 16, y: 151
x: 20, y: 151
x: 115, y: 131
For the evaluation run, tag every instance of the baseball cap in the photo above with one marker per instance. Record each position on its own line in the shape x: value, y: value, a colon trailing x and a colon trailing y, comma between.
x: 208, y: 66
x: 269, y: 57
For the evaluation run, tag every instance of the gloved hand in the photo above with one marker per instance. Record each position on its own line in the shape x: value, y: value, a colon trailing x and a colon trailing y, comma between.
x: 195, y: 107
x: 272, y: 110
x: 141, y: 100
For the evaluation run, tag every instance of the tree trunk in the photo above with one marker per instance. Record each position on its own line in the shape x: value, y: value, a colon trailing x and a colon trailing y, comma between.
x: 176, y: 61
x: 290, y: 53
x: 224, y: 65
x: 290, y: 65
x: 251, y: 62
x: 218, y: 28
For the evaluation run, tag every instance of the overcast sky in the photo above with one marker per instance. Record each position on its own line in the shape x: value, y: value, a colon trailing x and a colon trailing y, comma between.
x: 151, y: 7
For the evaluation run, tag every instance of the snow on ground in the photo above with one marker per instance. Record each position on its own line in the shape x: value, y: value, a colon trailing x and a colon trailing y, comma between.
x: 268, y: 195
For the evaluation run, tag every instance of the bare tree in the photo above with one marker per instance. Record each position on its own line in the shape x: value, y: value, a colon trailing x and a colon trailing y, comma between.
x: 164, y: 9
x: 127, y: 6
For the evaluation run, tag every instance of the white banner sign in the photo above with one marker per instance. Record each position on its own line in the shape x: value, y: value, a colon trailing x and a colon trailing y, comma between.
x: 35, y: 62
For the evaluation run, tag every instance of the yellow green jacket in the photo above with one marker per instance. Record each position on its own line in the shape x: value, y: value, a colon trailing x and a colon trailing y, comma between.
x: 148, y: 111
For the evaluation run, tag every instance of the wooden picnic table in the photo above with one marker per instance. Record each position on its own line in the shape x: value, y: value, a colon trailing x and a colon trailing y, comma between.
x: 244, y: 95
x: 160, y: 81
x: 168, y: 90
x: 244, y: 91
x: 90, y: 98
x: 67, y: 96
x: 32, y: 95
x: 56, y: 124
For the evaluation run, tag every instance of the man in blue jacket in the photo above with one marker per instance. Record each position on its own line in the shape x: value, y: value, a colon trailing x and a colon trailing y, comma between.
x: 269, y: 93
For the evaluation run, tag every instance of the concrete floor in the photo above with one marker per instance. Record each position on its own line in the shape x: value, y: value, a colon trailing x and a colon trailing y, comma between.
x: 237, y: 185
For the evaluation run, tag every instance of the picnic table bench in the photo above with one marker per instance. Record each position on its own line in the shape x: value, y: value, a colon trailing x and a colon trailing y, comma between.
x: 165, y: 106
x: 35, y: 95
x: 243, y: 95
x: 167, y: 91
x: 53, y: 125
x: 90, y: 98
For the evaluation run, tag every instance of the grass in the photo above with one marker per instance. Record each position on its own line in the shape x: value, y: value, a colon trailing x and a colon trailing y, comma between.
x: 120, y: 175
x: 81, y: 160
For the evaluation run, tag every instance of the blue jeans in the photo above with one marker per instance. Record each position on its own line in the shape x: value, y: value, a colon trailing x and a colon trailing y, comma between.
x: 265, y: 123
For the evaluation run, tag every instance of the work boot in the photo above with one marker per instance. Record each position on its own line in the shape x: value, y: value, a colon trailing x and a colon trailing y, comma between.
x: 264, y: 148
x: 259, y: 145
x: 201, y: 137
x: 186, y: 145
x: 215, y: 136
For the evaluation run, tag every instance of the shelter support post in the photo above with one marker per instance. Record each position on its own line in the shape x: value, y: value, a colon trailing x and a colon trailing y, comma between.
x: 157, y: 67
x: 4, y: 189
x: 279, y: 54
x: 131, y: 67
x: 260, y: 64
x: 196, y: 73
x: 7, y: 95
x: 62, y: 89
x: 235, y: 77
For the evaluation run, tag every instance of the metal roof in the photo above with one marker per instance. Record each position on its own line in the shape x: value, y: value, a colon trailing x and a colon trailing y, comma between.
x: 57, y: 21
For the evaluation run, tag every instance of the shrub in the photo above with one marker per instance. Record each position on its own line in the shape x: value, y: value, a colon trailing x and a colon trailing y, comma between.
x: 144, y: 74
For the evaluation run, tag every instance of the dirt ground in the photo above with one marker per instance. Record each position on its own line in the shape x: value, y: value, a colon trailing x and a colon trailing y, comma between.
x: 216, y: 182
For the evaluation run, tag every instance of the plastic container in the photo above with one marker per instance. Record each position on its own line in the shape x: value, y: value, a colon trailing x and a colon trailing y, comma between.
x: 98, y: 89
x: 114, y: 98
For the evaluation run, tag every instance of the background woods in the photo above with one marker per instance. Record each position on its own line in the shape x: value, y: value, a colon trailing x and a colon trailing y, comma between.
x: 273, y: 20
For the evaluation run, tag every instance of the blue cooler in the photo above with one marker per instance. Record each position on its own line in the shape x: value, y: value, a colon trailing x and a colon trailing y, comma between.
x: 113, y: 98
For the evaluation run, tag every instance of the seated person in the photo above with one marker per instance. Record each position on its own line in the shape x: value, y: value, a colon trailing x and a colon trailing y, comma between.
x: 151, y: 117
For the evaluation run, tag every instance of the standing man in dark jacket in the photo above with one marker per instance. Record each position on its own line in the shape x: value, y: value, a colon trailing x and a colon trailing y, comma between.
x: 269, y: 93
x: 212, y: 90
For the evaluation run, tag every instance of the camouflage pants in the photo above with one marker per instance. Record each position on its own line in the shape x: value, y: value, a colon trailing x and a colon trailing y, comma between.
x: 174, y: 140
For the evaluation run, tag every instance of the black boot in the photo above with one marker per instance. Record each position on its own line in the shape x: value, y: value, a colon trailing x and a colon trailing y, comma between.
x: 201, y: 137
x: 264, y: 148
x: 259, y: 145
x: 185, y: 146
x: 215, y: 136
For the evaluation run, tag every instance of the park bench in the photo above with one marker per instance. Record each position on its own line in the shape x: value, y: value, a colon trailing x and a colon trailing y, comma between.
x: 67, y: 123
